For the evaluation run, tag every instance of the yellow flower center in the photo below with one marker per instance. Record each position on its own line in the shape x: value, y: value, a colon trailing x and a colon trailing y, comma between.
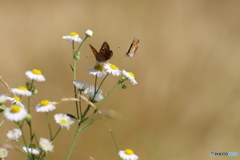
x: 63, y: 121
x: 17, y: 99
x: 15, y: 109
x: 74, y: 34
x: 129, y: 152
x: 113, y: 66
x: 22, y: 88
x: 131, y: 74
x: 44, y: 102
x: 98, y: 67
x: 36, y: 71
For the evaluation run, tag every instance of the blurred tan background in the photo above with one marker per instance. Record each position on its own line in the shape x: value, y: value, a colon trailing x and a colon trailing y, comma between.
x: 187, y: 100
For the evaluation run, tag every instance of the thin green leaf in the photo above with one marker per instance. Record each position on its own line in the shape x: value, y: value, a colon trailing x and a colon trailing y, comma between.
x: 85, y: 127
x: 72, y: 67
x: 72, y: 116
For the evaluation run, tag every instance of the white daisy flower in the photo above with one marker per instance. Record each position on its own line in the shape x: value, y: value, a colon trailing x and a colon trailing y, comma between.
x: 3, y: 99
x: 22, y: 91
x: 91, y: 92
x: 45, y: 106
x: 73, y: 37
x: 36, y: 75
x: 14, y: 134
x: 32, y: 149
x: 89, y: 33
x: 111, y: 68
x: 63, y: 120
x: 16, y: 100
x: 130, y: 76
x: 97, y: 70
x: 3, y: 153
x: 82, y: 86
x: 127, y: 155
x: 15, y: 113
x: 45, y: 145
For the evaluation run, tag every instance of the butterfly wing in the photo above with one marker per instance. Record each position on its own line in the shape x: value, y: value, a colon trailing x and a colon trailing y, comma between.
x: 93, y: 50
x: 105, y: 53
x: 133, y: 47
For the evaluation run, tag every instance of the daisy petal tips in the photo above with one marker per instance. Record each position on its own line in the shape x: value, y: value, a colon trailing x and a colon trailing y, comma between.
x: 63, y: 120
x: 45, y: 106
x: 111, y: 68
x: 22, y: 91
x: 14, y: 134
x: 130, y: 76
x: 36, y: 75
x: 3, y: 153
x: 91, y: 93
x: 45, y: 144
x: 97, y: 70
x: 127, y: 155
x: 73, y: 37
x: 82, y: 86
x: 15, y: 113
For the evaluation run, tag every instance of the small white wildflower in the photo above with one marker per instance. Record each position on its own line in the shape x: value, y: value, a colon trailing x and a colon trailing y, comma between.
x: 82, y: 86
x: 127, y: 155
x: 73, y: 37
x: 3, y: 153
x: 89, y: 33
x: 45, y: 145
x: 3, y: 99
x: 91, y: 92
x: 45, y: 106
x: 14, y: 134
x: 22, y: 91
x: 110, y: 68
x: 15, y: 113
x: 32, y: 149
x: 97, y: 70
x: 36, y: 75
x: 63, y: 120
x: 130, y: 76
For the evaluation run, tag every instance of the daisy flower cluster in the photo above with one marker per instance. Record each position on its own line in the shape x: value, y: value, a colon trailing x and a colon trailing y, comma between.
x: 18, y: 113
x: 23, y: 114
x: 101, y: 70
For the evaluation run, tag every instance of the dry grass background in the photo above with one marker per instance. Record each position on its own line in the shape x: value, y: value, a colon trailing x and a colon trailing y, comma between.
x: 187, y: 102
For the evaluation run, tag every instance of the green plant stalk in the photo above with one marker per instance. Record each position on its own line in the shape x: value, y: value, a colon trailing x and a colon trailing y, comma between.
x: 82, y: 43
x: 75, y: 93
x: 73, y: 142
x: 74, y: 67
x: 106, y: 97
x: 56, y: 134
x: 110, y: 130
x: 30, y: 122
x: 49, y: 125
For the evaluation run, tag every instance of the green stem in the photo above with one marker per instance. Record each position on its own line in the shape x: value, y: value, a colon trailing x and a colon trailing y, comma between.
x: 102, y: 81
x: 23, y: 135
x: 82, y: 43
x: 106, y: 97
x: 56, y: 134
x: 110, y: 130
x: 77, y: 106
x: 85, y: 112
x: 73, y: 142
x: 80, y: 104
x: 74, y: 78
x: 49, y: 126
